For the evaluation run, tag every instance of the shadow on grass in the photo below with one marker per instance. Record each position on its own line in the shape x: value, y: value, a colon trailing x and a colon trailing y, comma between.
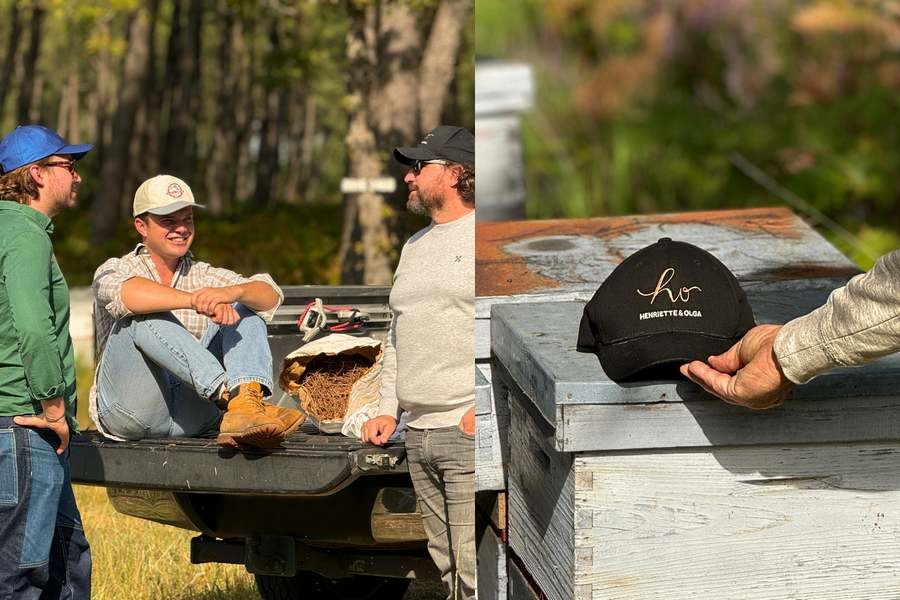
x: 418, y: 590
x: 245, y: 591
x: 425, y: 590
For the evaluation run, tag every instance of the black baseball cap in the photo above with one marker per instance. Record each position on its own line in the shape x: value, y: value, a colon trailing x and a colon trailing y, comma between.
x: 445, y: 142
x: 665, y: 305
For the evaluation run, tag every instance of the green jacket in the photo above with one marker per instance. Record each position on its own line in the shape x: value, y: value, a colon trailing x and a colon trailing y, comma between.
x: 37, y: 361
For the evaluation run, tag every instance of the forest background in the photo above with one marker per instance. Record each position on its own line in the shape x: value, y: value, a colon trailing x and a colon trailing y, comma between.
x: 261, y: 106
x: 652, y: 106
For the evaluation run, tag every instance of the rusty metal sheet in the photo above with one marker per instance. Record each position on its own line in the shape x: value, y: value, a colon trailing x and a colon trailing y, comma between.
x: 758, y: 244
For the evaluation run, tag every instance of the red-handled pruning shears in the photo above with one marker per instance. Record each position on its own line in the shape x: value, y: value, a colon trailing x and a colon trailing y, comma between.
x: 315, y: 318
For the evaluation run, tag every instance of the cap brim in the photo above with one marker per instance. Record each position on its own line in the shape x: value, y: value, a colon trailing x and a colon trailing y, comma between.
x: 406, y: 156
x: 76, y: 151
x: 626, y: 360
x: 173, y: 207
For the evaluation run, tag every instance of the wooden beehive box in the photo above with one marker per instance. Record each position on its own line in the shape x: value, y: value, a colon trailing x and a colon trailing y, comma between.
x: 488, y: 445
x: 565, y: 260
x: 660, y: 491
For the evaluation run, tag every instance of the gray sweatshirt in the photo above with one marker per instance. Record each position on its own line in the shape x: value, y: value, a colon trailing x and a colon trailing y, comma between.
x: 430, y: 350
x: 858, y: 323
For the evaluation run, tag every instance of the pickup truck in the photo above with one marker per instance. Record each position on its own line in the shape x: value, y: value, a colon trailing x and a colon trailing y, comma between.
x: 324, y: 516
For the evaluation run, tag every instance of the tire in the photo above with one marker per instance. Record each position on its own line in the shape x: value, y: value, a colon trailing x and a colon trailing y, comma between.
x: 306, y: 585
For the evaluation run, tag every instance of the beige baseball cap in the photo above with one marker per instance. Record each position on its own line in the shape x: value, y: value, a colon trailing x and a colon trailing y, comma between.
x: 162, y: 195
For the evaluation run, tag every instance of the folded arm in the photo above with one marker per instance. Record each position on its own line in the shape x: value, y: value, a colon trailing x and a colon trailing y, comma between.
x: 142, y: 296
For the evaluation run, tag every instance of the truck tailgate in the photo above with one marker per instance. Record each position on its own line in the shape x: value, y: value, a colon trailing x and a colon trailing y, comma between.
x: 307, y: 464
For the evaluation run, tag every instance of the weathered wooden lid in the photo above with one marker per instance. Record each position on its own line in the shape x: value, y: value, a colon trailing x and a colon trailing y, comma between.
x: 558, y: 260
x: 533, y: 258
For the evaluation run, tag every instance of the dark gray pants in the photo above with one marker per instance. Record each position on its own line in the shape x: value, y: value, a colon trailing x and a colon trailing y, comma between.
x: 442, y: 467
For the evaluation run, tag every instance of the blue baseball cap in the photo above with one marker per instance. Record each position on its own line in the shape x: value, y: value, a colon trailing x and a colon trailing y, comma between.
x: 28, y: 143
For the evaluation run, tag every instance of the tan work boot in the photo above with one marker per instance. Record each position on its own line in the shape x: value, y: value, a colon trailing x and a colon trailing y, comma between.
x: 291, y: 418
x: 246, y: 421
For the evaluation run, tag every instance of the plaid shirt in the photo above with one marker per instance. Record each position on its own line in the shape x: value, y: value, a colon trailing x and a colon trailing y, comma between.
x: 190, y: 275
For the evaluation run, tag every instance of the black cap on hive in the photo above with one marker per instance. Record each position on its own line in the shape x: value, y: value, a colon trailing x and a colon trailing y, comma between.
x: 664, y: 305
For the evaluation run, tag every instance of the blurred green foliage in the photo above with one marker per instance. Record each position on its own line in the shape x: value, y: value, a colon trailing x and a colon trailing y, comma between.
x: 296, y: 244
x: 643, y: 107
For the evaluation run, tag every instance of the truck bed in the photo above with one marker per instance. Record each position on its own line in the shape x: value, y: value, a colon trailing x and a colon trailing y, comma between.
x: 307, y: 464
x: 316, y: 493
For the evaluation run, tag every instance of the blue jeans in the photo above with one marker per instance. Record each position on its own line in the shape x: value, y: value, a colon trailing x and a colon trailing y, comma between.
x: 156, y: 380
x: 44, y: 554
x: 442, y: 468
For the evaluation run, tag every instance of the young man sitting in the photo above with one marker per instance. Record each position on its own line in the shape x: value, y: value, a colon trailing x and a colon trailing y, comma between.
x: 178, y: 337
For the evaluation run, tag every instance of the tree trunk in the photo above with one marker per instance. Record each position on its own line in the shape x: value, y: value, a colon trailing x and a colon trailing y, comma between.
x: 98, y: 102
x: 394, y: 101
x: 36, y: 106
x: 248, y: 99
x: 383, y: 49
x: 360, y: 139
x: 295, y: 122
x: 269, y: 138
x: 114, y: 169
x: 274, y: 106
x: 8, y: 69
x: 170, y: 81
x: 219, y: 168
x: 439, y: 59
x: 184, y: 110
x: 29, y: 78
x: 309, y: 134
x: 62, y: 113
x: 145, y: 142
x: 67, y: 121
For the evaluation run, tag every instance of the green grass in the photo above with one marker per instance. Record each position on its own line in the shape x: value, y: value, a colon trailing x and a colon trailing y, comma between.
x: 142, y: 560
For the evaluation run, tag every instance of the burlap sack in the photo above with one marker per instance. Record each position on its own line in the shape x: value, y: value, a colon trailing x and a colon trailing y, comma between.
x: 363, y: 397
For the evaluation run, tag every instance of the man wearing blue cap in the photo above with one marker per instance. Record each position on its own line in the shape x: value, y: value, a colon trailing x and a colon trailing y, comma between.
x: 44, y: 552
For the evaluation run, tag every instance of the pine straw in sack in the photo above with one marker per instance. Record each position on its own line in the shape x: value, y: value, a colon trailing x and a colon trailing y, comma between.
x: 326, y: 385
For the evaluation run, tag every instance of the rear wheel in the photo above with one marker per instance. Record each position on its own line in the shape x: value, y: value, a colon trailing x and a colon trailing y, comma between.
x: 306, y: 585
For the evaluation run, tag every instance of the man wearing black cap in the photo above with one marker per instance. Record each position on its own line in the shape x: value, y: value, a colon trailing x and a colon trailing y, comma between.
x: 858, y: 323
x: 429, y: 352
x: 44, y: 551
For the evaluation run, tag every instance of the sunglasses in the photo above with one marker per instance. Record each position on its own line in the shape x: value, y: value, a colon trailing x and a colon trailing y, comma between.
x: 68, y: 165
x: 417, y: 165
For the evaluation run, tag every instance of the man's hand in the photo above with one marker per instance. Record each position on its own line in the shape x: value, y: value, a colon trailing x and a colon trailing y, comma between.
x: 205, y: 300
x: 53, y: 418
x: 746, y: 375
x: 224, y: 314
x: 378, y: 430
x: 467, y: 423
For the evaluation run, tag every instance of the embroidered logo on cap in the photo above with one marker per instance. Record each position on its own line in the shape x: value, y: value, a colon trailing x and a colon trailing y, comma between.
x: 683, y: 295
x: 174, y: 190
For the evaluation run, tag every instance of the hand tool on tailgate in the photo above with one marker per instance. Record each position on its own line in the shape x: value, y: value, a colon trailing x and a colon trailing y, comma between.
x: 318, y: 317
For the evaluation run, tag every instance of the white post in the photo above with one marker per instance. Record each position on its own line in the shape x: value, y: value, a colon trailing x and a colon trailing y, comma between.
x: 502, y: 92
